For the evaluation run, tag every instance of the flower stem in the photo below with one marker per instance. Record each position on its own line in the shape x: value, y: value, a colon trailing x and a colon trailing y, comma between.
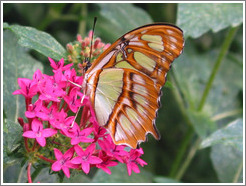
x: 26, y: 144
x: 29, y: 178
x: 34, y: 145
x: 222, y: 54
x: 46, y: 159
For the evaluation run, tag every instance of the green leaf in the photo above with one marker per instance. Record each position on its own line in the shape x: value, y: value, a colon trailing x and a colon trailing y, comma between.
x: 45, y: 177
x: 196, y: 19
x: 224, y: 94
x: 79, y: 177
x: 40, y: 41
x: 228, y: 163
x: 12, y: 173
x: 119, y: 19
x: 232, y: 135
x: 12, y: 139
x: 5, y: 25
x: 16, y: 63
x: 120, y: 175
x: 162, y: 179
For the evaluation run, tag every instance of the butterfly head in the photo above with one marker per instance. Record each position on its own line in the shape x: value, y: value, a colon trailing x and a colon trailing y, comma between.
x: 86, y: 64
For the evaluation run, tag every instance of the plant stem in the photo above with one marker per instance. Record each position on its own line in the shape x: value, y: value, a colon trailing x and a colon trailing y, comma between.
x: 222, y: 54
x: 29, y: 178
x: 82, y: 23
x: 181, y: 152
x: 190, y: 132
x: 226, y: 114
x: 179, y: 98
x: 188, y: 159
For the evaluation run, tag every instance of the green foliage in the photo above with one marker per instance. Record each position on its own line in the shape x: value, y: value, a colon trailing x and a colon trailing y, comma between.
x: 119, y: 175
x: 228, y: 163
x: 161, y: 179
x: 17, y: 63
x: 227, y: 151
x: 185, y: 128
x: 230, y: 135
x: 120, y: 18
x: 40, y: 41
x: 196, y: 19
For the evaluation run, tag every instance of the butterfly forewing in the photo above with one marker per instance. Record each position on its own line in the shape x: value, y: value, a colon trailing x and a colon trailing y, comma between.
x: 124, y: 82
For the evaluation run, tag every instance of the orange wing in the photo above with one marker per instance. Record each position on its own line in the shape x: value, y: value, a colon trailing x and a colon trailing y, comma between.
x: 149, y: 49
x: 124, y: 82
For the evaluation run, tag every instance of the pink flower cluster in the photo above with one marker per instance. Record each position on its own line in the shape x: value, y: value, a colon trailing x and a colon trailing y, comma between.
x: 80, y: 50
x: 77, y: 145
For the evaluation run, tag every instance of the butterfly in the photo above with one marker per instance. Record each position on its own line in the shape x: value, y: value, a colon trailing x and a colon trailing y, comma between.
x: 124, y: 83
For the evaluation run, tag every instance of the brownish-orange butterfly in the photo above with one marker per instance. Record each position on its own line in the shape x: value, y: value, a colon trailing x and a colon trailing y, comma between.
x: 125, y: 81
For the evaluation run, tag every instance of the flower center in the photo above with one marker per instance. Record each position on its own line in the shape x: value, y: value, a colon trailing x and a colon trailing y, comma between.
x: 39, y: 134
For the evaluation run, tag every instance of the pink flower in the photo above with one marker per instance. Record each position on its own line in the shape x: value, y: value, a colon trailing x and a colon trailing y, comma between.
x: 59, y: 80
x: 51, y: 114
x: 86, y: 158
x: 28, y: 88
x: 39, y: 133
x: 59, y: 64
x: 107, y: 162
x: 112, y: 150
x: 90, y: 34
x: 133, y: 160
x: 34, y: 110
x: 72, y: 100
x: 38, y: 78
x: 80, y: 135
x: 106, y: 46
x: 70, y: 75
x: 50, y: 92
x: 99, y: 131
x: 63, y: 161
x: 63, y: 123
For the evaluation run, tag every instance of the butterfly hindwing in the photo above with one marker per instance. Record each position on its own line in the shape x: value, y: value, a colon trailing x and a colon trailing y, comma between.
x: 124, y: 82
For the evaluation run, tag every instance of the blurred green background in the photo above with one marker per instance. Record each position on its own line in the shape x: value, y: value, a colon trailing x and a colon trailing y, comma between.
x: 182, y: 126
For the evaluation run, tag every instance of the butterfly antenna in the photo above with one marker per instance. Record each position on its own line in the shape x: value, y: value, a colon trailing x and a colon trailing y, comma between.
x: 93, y: 30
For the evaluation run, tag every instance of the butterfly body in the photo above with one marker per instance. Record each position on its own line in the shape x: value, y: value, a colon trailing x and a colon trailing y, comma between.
x: 124, y: 83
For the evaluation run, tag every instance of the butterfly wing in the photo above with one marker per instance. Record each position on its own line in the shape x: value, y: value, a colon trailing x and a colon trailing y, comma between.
x: 124, y: 82
x: 149, y: 49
